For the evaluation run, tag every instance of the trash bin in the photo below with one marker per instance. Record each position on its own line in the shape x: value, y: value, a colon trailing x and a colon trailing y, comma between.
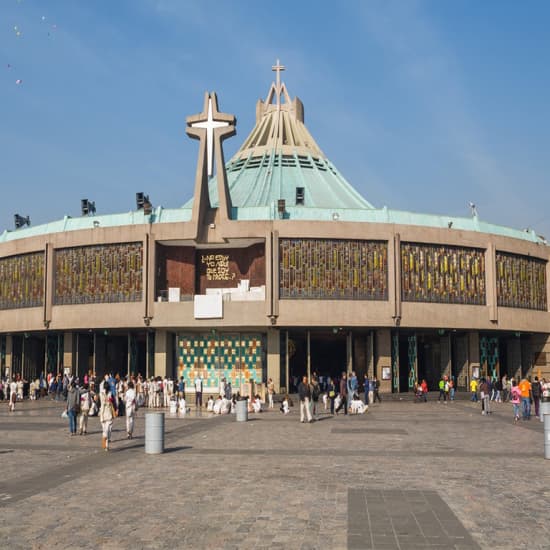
x: 544, y: 407
x: 241, y: 408
x: 154, y: 433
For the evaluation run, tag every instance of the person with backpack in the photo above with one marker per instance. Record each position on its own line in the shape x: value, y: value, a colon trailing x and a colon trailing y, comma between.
x: 315, y: 393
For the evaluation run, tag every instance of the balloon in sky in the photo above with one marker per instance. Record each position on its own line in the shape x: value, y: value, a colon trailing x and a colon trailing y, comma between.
x: 19, y: 81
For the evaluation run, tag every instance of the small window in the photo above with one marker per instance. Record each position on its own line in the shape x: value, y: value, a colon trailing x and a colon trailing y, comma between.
x: 300, y: 194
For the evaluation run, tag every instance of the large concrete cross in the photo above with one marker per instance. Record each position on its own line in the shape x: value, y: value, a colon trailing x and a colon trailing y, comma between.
x: 209, y: 123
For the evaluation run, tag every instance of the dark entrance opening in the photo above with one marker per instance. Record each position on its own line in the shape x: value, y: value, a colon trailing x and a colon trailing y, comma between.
x: 111, y: 354
x: 403, y: 363
x: 328, y: 354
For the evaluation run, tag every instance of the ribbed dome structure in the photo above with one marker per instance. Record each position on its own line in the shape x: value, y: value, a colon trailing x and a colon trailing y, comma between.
x: 280, y: 160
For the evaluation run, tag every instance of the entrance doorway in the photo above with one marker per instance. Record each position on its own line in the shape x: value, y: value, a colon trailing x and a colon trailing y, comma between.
x: 327, y: 351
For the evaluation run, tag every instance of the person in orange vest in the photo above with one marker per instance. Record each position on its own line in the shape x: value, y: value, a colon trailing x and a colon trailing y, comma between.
x: 525, y: 389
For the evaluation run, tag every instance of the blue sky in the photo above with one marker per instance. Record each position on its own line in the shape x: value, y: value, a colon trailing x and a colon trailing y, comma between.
x: 422, y: 105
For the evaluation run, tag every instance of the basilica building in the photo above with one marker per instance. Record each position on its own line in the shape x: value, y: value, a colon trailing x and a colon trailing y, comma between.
x: 275, y: 268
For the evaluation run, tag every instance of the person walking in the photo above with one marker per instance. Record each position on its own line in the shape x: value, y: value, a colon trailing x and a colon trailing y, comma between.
x: 343, y: 394
x: 85, y: 404
x: 376, y: 386
x: 536, y: 392
x: 130, y: 404
x: 484, y: 392
x: 315, y: 393
x: 304, y: 393
x: 504, y: 385
x: 73, y: 406
x: 106, y: 416
x: 515, y: 399
x: 331, y: 390
x: 525, y: 389
x: 12, y: 393
x: 366, y: 388
x: 441, y: 390
x: 270, y: 392
x: 473, y: 389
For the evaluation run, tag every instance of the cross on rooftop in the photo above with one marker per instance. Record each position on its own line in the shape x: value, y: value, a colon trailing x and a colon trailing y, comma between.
x: 210, y: 123
x: 278, y: 68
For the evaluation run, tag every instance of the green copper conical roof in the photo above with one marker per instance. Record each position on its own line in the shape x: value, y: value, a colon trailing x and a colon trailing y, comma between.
x: 281, y: 160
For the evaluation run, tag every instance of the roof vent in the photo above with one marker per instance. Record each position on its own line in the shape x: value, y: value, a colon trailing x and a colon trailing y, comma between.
x: 300, y: 194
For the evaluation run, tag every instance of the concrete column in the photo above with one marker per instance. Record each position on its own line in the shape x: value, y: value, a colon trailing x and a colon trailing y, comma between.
x: 48, y: 283
x: 383, y: 357
x: 69, y: 350
x: 461, y: 357
x: 349, y: 351
x: 162, y: 353
x: 360, y: 353
x: 491, y: 281
x: 9, y: 355
x: 273, y: 357
x: 287, y: 364
x: 513, y: 357
x: 445, y: 347
x: 473, y: 353
x: 370, y: 354
x: 308, y: 341
x: 540, y: 347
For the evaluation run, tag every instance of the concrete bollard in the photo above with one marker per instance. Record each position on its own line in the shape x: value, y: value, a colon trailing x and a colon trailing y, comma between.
x: 241, y: 408
x: 154, y: 433
x: 547, y: 436
x: 544, y: 408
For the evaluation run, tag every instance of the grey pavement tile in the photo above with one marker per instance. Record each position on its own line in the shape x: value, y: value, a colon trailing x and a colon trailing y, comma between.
x: 279, y: 479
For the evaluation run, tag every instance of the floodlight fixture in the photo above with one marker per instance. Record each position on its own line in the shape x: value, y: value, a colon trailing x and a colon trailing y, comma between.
x: 473, y: 209
x: 143, y: 202
x: 20, y: 221
x: 87, y: 207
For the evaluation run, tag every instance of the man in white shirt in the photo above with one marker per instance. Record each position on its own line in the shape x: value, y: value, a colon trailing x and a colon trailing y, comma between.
x: 198, y: 391
x: 130, y: 403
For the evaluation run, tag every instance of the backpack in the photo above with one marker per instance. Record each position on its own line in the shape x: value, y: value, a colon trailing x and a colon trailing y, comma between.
x: 315, y: 393
x: 535, y: 389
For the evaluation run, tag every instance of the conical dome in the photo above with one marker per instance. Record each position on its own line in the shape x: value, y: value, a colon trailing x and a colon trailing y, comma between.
x: 280, y: 160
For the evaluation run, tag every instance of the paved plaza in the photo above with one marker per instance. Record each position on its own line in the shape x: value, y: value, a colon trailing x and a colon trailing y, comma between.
x: 405, y: 475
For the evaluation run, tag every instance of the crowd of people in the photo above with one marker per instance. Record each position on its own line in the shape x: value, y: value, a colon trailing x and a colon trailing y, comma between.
x: 524, y: 394
x: 115, y: 396
x: 343, y: 394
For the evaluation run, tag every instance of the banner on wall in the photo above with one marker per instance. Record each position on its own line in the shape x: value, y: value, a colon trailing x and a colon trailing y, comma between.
x: 208, y: 306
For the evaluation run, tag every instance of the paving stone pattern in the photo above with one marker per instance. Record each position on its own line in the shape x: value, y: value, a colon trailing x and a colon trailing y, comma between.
x: 396, y: 519
x: 404, y: 475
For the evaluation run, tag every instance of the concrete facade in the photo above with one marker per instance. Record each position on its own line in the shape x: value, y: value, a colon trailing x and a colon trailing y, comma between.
x: 448, y: 333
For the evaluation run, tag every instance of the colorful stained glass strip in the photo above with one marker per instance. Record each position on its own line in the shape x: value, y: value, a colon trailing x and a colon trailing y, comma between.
x: 330, y: 269
x: 521, y: 281
x: 22, y: 281
x: 442, y: 274
x: 99, y: 274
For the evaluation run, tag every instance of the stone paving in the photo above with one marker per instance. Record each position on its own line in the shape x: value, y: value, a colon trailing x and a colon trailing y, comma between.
x: 405, y: 475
